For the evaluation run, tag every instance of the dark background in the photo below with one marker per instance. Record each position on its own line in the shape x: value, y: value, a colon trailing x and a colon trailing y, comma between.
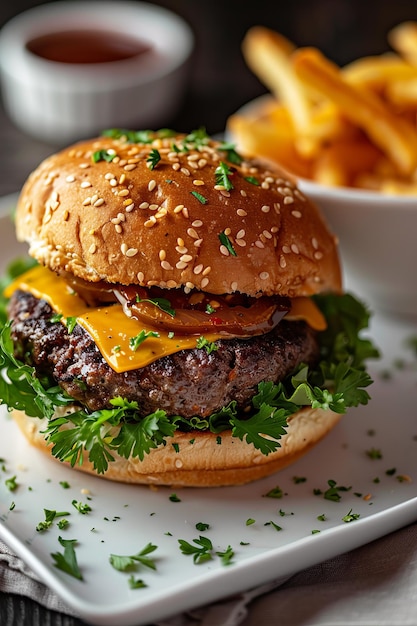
x: 219, y: 83
x: 219, y: 80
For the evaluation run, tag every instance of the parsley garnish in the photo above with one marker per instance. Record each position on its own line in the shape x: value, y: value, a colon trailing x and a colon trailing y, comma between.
x: 84, y: 509
x: 129, y: 563
x: 222, y: 173
x: 338, y: 382
x: 162, y: 303
x: 153, y: 158
x: 210, y: 346
x: 225, y: 241
x: 350, y: 517
x: 231, y: 154
x: 199, y: 197
x: 201, y: 551
x: 103, y: 155
x: 11, y: 483
x: 49, y: 518
x: 252, y: 180
x: 134, y: 342
x: 67, y: 562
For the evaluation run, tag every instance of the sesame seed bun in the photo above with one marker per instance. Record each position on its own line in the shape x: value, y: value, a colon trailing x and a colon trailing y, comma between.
x: 204, y: 462
x: 121, y: 221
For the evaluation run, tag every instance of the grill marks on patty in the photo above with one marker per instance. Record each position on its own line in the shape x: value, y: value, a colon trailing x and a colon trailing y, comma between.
x: 187, y: 383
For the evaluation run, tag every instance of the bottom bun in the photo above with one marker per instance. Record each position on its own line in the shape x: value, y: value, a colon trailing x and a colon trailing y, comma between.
x: 203, y: 459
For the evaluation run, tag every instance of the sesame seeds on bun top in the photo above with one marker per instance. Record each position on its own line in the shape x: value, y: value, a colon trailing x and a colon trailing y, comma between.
x: 175, y: 210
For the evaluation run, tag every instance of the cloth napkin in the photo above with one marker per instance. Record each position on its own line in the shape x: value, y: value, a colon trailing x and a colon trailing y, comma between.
x: 375, y: 585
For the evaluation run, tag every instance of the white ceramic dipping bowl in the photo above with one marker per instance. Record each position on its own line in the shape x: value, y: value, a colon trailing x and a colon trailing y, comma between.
x: 59, y: 102
x: 378, y: 243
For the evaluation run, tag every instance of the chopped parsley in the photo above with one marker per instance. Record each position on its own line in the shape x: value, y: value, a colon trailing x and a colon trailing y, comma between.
x: 103, y: 155
x: 153, y: 158
x: 199, y: 197
x: 209, y: 346
x: 223, y: 173
x: 225, y: 241
x: 129, y: 563
x: 201, y: 551
x: 135, y: 342
x: 67, y: 561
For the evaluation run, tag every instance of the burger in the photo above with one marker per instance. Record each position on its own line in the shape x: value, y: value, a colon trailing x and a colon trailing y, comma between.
x: 184, y: 322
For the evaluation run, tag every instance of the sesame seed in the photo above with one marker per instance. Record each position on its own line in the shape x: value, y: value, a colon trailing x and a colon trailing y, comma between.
x: 197, y: 223
x: 198, y: 182
x: 192, y: 233
x: 153, y: 207
x: 70, y: 178
x: 181, y: 265
x: 171, y: 284
x: 277, y: 207
x: 243, y: 193
x: 318, y: 255
x: 219, y: 187
x: 131, y: 252
x: 123, y: 248
x: 315, y: 243
x: 202, y: 163
x: 282, y: 261
x: 176, y: 166
x: 189, y: 285
x: 85, y: 184
x: 241, y: 242
x: 181, y: 249
x: 113, y: 182
x: 264, y: 275
x: 265, y: 184
x: 122, y: 179
x: 162, y: 255
x: 93, y: 248
x: 130, y: 166
x: 141, y: 277
x: 259, y: 244
x: 186, y: 258
x: 185, y: 212
x: 108, y: 176
x: 297, y: 214
x: 144, y: 205
x: 178, y: 208
x: 288, y: 200
x: 225, y: 193
x: 234, y: 286
x: 204, y: 282
x: 224, y: 250
x: 227, y: 231
x: 66, y: 216
x: 294, y: 248
x: 151, y: 185
x: 207, y: 270
x: 150, y: 222
x: 84, y: 166
x: 87, y: 201
x: 241, y: 212
x: 118, y: 229
x: 198, y: 269
x: 286, y: 249
x: 198, y: 242
x: 166, y: 266
x: 185, y: 171
x: 123, y: 192
x: 130, y: 207
x: 265, y: 208
x: 180, y: 241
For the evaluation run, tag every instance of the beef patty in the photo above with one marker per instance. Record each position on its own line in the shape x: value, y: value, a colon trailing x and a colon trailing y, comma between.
x: 188, y: 383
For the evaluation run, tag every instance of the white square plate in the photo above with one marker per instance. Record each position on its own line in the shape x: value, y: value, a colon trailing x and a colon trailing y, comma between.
x: 282, y: 538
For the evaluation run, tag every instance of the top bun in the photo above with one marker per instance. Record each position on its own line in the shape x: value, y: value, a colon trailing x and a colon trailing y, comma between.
x: 108, y: 210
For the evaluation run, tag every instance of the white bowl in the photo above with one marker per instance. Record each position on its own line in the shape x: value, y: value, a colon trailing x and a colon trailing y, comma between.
x: 60, y: 102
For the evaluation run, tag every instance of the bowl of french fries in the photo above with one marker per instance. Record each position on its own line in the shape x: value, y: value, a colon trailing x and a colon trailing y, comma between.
x: 349, y: 136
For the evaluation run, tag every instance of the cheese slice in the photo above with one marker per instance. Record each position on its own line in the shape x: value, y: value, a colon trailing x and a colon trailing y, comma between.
x: 112, y: 330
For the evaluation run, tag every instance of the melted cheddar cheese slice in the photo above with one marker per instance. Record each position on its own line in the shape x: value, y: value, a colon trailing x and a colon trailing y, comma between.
x: 112, y: 330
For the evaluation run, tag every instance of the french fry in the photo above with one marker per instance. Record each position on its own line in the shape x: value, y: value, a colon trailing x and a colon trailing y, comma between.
x: 267, y: 54
x: 342, y: 126
x: 377, y: 72
x: 339, y: 163
x: 403, y: 39
x: 394, y: 136
x: 271, y: 141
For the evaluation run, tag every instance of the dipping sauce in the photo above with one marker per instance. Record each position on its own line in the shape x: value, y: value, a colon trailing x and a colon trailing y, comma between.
x: 87, y: 46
